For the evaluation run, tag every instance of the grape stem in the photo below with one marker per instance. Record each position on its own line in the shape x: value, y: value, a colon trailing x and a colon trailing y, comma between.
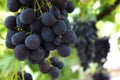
x: 15, y: 72
x: 39, y: 7
x: 23, y: 65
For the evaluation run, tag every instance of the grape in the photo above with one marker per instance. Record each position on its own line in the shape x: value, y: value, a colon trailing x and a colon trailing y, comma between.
x: 56, y: 62
x: 66, y: 21
x: 64, y: 50
x: 69, y: 37
x: 20, y: 24
x: 26, y: 2
x: 10, y: 22
x: 21, y: 52
x: 60, y: 3
x: 48, y: 19
x: 54, y: 72
x: 57, y: 41
x: 27, y: 16
x: 9, y: 45
x: 59, y: 64
x: 55, y: 11
x: 37, y: 54
x: 32, y: 41
x: 101, y: 76
x: 44, y: 67
x: 54, y: 59
x: 36, y: 26
x: 70, y: 7
x: 64, y: 13
x: 18, y: 38
x: 10, y: 33
x: 47, y: 34
x: 27, y: 76
x: 50, y: 46
x: 46, y: 54
x: 39, y: 35
x: 59, y: 27
x: 32, y: 61
x: 13, y: 5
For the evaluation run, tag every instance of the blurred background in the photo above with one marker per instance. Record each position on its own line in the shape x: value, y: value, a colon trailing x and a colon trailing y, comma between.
x: 105, y: 14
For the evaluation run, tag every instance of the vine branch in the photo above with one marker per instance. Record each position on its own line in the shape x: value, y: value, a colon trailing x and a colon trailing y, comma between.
x: 108, y: 10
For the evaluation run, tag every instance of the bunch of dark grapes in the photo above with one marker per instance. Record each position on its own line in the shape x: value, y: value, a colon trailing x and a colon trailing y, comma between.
x: 86, y: 33
x: 101, y: 75
x: 40, y: 26
x: 102, y: 48
x: 22, y: 76
x: 89, y: 47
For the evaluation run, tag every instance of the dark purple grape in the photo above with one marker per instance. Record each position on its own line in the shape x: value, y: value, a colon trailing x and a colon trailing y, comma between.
x: 50, y: 46
x: 21, y: 52
x: 20, y: 24
x: 10, y: 33
x: 28, y: 76
x: 46, y: 54
x: 13, y: 5
x: 47, y: 34
x: 64, y: 50
x: 55, y: 62
x: 54, y: 59
x: 57, y: 41
x: 37, y: 54
x: 32, y: 41
x: 32, y: 61
x: 69, y: 37
x: 39, y: 35
x: 59, y: 27
x: 44, y: 67
x: 64, y: 13
x: 36, y: 26
x: 10, y: 22
x: 70, y: 7
x: 18, y: 38
x: 9, y: 45
x: 59, y: 65
x: 54, y: 72
x: 60, y: 3
x: 55, y: 11
x: 66, y: 21
x: 27, y: 16
x: 26, y: 2
x: 48, y: 19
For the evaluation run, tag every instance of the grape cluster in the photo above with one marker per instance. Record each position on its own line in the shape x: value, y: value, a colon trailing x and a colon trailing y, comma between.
x: 38, y: 27
x: 86, y: 33
x: 25, y: 75
x: 89, y: 47
x: 102, y: 48
x: 101, y: 75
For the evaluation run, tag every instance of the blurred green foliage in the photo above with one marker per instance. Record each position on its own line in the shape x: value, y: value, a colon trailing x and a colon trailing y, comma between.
x: 83, y: 11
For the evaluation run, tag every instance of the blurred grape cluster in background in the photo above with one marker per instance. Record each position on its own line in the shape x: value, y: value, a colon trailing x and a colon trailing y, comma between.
x: 94, y: 56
